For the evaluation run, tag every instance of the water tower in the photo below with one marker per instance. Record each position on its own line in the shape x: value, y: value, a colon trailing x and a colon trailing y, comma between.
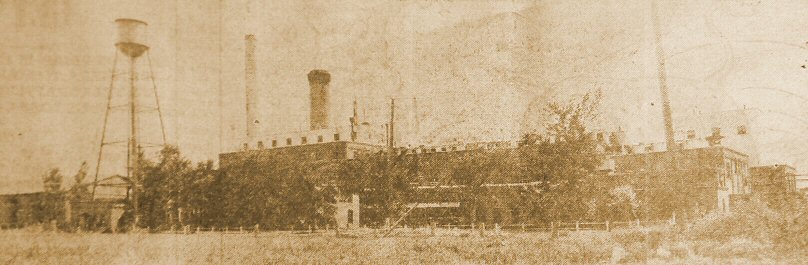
x: 131, y: 106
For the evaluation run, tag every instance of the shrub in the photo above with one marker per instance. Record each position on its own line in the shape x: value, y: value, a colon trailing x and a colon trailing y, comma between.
x: 751, y: 220
x: 638, y: 243
x: 793, y: 236
x: 578, y: 247
x: 733, y: 248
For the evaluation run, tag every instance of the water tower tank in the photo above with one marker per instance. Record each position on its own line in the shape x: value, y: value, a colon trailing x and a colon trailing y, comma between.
x: 131, y: 37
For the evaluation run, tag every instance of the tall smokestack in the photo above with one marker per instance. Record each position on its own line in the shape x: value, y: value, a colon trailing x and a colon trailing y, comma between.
x: 318, y: 93
x: 250, y: 84
x: 663, y: 83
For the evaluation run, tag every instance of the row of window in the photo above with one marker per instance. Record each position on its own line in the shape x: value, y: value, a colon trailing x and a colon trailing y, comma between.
x: 303, y: 140
x: 472, y: 146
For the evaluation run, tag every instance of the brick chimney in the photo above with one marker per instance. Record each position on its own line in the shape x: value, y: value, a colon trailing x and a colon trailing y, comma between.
x: 318, y: 94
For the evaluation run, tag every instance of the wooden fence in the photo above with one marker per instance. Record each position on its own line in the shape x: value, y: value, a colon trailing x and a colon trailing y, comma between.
x: 524, y: 227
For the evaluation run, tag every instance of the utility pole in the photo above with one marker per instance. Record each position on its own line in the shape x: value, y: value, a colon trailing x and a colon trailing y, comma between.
x: 417, y: 121
x: 392, y: 140
x: 354, y: 122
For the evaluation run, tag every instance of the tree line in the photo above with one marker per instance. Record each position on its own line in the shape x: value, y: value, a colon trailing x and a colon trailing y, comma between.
x: 279, y: 192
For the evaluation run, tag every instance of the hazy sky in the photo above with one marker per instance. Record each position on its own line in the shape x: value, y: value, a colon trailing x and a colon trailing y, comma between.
x: 479, y: 69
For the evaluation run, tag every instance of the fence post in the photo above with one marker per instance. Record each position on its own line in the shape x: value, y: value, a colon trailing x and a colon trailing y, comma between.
x: 553, y: 232
x: 241, y: 230
x: 608, y: 229
x: 432, y: 228
x: 197, y: 229
x: 673, y: 219
x: 482, y: 229
x: 472, y: 226
x: 496, y: 228
x: 523, y: 227
x: 638, y: 222
x: 577, y: 226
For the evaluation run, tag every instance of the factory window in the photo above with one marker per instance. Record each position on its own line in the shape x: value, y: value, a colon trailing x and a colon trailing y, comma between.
x: 336, y: 137
x: 303, y: 140
x: 350, y: 216
x: 274, y: 143
x: 742, y: 130
x: 246, y: 146
x: 288, y: 141
x: 319, y: 138
x: 260, y: 145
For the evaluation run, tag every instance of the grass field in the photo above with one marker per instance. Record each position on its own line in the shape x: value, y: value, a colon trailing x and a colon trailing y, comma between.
x: 410, y: 247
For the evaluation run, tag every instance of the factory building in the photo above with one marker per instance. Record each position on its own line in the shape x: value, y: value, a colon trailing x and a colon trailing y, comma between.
x: 325, y: 144
x: 688, y: 182
x: 776, y: 185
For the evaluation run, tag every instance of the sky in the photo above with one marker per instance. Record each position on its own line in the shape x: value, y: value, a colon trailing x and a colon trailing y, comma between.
x: 478, y: 70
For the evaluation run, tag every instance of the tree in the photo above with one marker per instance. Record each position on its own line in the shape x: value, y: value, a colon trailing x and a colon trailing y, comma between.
x: 164, y: 188
x: 561, y: 158
x: 472, y: 170
x: 79, y: 191
x: 273, y: 190
x: 52, y: 181
x: 624, y: 203
x: 382, y: 180
x: 50, y: 207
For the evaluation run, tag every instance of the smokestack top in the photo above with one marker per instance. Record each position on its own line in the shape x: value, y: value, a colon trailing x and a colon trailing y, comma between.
x: 318, y: 93
x: 249, y: 37
x: 319, y: 76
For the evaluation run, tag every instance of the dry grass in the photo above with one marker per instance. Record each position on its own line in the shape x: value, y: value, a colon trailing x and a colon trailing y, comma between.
x: 408, y: 247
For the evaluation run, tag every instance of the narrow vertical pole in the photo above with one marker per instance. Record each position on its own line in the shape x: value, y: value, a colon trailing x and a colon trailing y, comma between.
x: 392, y: 140
x: 104, y: 128
x: 354, y: 122
x: 133, y: 137
x: 157, y: 98
x: 221, y: 93
x: 417, y: 121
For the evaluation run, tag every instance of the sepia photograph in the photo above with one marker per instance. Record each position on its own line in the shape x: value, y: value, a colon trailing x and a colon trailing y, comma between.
x: 403, y: 132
